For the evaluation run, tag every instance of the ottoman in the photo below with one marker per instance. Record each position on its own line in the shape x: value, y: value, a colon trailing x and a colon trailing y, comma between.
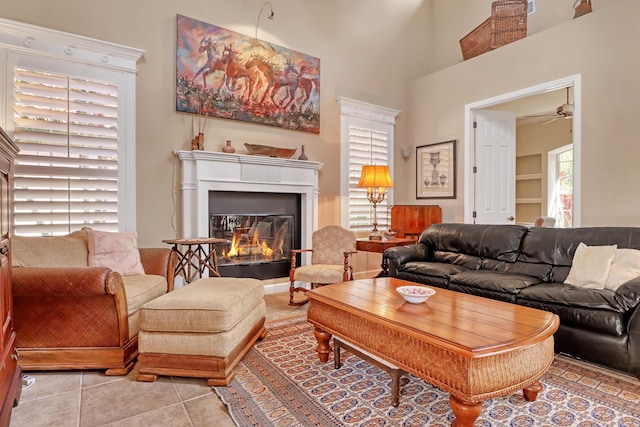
x: 201, y: 330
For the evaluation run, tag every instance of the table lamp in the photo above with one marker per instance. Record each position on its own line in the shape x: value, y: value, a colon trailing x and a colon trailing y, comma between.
x: 376, y: 179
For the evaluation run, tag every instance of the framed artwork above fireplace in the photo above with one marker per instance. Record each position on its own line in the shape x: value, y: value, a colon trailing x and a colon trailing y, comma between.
x: 225, y: 74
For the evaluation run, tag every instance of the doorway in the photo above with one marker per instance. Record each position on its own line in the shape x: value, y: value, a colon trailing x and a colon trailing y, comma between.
x: 470, y: 181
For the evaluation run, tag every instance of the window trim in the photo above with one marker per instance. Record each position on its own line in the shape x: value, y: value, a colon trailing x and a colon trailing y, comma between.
x: 552, y: 177
x: 377, y: 117
x: 17, y: 38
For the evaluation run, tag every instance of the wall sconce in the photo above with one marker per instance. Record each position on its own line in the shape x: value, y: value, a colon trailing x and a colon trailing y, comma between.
x: 406, y: 152
x: 270, y: 17
x: 376, y: 179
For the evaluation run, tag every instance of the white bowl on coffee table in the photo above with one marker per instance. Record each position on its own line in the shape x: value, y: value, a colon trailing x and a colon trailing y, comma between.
x: 415, y: 294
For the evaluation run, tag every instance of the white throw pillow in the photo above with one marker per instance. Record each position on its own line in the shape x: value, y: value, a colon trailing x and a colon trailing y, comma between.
x: 590, y: 266
x: 625, y: 266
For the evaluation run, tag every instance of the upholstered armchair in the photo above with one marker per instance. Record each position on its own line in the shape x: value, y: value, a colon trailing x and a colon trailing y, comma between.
x: 72, y: 311
x: 332, y: 247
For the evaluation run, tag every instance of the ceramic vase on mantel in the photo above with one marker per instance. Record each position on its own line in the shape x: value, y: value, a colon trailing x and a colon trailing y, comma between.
x: 302, y: 155
x: 228, y: 148
x: 197, y: 143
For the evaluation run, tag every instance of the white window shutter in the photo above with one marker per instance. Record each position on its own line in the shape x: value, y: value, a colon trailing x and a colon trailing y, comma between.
x: 366, y: 138
x: 70, y: 107
x: 66, y: 173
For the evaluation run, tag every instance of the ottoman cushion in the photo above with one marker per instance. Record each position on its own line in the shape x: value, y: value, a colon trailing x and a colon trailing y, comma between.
x: 219, y: 344
x: 213, y: 304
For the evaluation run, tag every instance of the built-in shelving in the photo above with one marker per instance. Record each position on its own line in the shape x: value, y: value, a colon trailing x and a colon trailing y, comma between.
x: 528, y: 188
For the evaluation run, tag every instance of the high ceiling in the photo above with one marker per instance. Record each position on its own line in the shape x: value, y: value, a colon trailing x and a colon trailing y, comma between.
x: 542, y: 105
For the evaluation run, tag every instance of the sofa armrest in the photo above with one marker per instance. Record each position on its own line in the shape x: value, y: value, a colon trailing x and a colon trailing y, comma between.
x: 160, y: 261
x: 400, y: 255
x: 64, y: 282
x: 628, y: 294
x: 69, y: 307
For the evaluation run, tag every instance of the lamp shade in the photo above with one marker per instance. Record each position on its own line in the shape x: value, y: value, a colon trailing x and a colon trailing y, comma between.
x: 374, y: 176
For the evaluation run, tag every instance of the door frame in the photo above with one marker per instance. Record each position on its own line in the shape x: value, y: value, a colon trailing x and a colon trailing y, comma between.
x: 469, y: 141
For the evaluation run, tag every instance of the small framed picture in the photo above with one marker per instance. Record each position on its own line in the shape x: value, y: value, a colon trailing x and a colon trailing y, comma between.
x: 436, y: 171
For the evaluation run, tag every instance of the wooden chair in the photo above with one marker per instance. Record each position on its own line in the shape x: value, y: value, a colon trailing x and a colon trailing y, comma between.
x: 332, y: 247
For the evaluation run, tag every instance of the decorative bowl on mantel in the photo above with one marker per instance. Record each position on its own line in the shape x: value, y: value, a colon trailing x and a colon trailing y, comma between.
x: 265, y: 150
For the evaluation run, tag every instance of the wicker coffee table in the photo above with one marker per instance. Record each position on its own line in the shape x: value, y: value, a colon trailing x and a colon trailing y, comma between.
x: 471, y: 347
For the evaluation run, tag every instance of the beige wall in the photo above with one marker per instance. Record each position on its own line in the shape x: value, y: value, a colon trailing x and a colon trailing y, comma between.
x: 450, y: 20
x: 366, y: 50
x: 601, y: 47
x: 369, y: 50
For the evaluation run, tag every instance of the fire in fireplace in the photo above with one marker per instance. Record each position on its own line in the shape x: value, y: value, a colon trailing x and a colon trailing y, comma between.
x: 261, y: 228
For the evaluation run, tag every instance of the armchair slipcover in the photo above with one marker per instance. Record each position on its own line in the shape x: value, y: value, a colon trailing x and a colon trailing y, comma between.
x: 330, y: 260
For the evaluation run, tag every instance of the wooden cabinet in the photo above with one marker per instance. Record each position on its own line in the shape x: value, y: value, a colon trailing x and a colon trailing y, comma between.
x: 411, y: 220
x: 10, y: 373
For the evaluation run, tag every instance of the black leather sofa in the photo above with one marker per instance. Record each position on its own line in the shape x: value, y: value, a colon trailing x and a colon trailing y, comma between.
x: 528, y: 266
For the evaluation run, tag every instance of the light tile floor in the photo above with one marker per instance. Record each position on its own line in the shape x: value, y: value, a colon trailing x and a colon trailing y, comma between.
x: 90, y: 398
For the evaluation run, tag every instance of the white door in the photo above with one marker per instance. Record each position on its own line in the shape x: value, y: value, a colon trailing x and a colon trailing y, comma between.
x: 495, y: 161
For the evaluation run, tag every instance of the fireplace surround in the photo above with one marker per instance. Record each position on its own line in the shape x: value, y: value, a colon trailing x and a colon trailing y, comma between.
x: 206, y: 171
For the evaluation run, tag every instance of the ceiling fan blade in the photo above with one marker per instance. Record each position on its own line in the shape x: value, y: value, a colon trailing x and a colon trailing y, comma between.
x: 552, y: 120
x: 541, y: 115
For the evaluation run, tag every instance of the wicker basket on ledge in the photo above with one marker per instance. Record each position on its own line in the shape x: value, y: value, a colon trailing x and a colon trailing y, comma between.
x: 507, y: 23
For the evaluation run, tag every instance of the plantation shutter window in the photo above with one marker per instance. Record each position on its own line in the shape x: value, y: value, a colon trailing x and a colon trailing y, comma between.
x: 366, y: 147
x: 66, y: 174
x: 70, y: 108
x: 366, y: 138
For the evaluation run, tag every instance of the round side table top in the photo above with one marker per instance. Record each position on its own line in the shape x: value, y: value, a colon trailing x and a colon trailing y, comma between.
x: 195, y: 241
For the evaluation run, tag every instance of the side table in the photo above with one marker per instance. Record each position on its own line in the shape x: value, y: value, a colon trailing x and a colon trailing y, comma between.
x: 380, y: 246
x: 194, y: 257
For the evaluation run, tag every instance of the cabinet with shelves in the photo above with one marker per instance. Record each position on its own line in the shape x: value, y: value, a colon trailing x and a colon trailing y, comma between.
x: 529, y: 192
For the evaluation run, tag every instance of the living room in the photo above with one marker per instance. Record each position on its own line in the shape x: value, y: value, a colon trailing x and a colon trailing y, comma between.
x: 400, y: 55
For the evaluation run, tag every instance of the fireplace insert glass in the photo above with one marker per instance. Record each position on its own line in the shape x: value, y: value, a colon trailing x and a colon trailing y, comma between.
x: 260, y: 238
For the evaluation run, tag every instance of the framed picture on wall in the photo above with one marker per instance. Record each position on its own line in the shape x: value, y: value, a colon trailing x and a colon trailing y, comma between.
x: 436, y: 171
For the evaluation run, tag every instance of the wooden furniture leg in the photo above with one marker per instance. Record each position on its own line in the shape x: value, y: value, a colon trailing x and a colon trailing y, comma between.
x: 465, y: 413
x: 323, y: 348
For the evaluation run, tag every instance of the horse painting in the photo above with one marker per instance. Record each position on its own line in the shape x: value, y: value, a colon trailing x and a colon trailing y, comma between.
x: 229, y: 75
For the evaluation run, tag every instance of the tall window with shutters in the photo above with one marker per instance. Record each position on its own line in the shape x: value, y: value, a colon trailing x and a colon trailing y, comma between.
x: 366, y: 139
x: 70, y: 107
x: 66, y: 174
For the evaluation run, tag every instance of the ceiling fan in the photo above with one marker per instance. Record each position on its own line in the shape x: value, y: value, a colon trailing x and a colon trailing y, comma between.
x: 564, y: 111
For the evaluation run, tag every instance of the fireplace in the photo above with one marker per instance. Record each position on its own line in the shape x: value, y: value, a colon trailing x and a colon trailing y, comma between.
x: 261, y: 228
x: 239, y: 177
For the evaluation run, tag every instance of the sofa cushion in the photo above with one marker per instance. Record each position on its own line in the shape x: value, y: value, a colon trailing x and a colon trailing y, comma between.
x: 573, y: 296
x: 214, y: 304
x: 117, y: 251
x: 53, y: 251
x: 590, y: 309
x: 501, y: 242
x: 625, y: 267
x: 433, y: 269
x: 590, y: 266
x: 497, y: 281
x: 469, y: 262
x: 143, y: 288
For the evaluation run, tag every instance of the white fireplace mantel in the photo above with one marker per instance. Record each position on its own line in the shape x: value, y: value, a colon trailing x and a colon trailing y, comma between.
x: 205, y: 171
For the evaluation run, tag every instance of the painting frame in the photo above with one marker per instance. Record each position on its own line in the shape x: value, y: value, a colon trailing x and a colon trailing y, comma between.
x: 436, y: 170
x: 225, y: 74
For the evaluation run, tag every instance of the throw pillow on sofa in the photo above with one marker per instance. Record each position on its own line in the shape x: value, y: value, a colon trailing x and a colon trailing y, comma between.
x: 118, y: 251
x: 590, y: 266
x: 625, y: 266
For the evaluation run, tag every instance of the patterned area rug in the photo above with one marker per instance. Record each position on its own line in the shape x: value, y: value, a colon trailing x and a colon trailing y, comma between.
x: 281, y: 382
